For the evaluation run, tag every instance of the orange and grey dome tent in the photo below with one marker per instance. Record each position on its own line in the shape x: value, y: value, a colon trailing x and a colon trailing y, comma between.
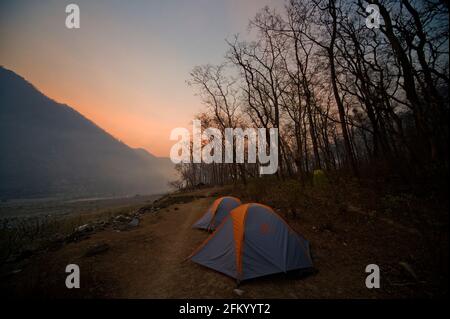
x: 253, y: 241
x: 216, y: 213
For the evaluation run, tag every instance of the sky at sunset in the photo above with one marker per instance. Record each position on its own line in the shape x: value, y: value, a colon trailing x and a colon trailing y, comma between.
x: 126, y: 67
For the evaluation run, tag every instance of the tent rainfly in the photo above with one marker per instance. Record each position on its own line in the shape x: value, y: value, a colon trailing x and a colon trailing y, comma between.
x: 253, y: 241
x: 217, y: 212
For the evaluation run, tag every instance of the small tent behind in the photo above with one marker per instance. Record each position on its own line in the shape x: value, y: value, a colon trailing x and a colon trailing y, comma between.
x: 253, y: 241
x: 217, y: 212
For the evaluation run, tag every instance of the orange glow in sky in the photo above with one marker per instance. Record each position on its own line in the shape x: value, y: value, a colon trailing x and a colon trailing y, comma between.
x: 126, y: 67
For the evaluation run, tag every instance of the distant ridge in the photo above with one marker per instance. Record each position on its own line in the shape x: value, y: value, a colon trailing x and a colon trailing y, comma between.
x: 49, y: 149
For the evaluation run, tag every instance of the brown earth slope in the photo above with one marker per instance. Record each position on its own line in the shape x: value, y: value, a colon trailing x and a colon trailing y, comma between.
x: 149, y: 262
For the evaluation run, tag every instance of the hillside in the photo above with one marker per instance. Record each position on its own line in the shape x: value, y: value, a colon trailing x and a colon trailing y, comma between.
x: 50, y: 150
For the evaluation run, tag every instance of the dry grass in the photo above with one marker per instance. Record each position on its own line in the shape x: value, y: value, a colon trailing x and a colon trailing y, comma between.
x: 25, y: 235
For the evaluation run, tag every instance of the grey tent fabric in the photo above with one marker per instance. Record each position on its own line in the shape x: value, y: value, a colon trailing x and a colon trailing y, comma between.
x: 219, y: 251
x: 270, y: 245
x: 225, y: 207
x: 254, y: 241
x: 204, y: 221
x: 217, y: 212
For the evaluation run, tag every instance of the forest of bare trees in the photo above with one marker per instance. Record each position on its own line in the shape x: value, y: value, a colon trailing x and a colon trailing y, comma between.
x: 346, y: 98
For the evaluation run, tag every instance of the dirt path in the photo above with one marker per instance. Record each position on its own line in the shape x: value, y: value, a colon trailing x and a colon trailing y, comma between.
x: 147, y: 262
x: 163, y: 272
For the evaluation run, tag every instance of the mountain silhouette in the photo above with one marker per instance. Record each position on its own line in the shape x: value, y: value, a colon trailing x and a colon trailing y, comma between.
x: 50, y: 150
